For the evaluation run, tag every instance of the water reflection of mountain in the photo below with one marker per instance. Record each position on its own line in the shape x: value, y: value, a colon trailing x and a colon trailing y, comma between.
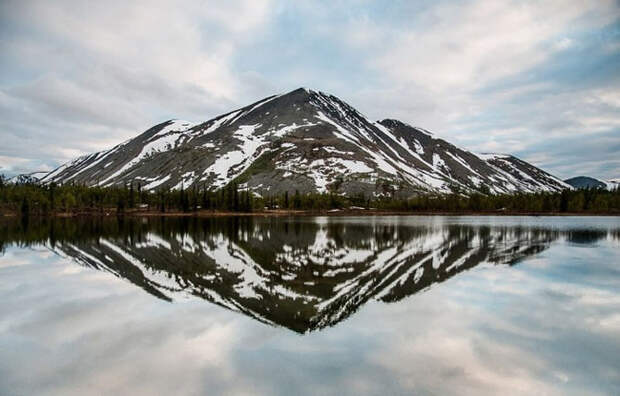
x: 303, y: 274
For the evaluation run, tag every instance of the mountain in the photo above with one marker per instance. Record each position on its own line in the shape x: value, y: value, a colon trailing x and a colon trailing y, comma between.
x: 302, y: 140
x: 585, y: 182
x: 28, y: 178
x: 590, y: 182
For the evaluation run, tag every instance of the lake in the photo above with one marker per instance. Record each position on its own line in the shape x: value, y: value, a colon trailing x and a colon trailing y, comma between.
x: 310, y: 305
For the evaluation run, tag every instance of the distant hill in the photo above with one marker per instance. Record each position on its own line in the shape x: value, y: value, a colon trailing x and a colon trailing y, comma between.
x: 590, y: 182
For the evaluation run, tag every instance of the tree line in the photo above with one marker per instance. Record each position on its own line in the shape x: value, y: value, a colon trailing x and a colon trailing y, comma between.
x: 44, y: 199
x: 48, y: 199
x: 567, y: 201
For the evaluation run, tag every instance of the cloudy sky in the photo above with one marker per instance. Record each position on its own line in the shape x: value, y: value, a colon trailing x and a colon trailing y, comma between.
x: 537, y: 79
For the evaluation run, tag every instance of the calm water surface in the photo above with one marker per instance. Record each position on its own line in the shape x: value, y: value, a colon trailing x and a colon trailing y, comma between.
x: 347, y: 305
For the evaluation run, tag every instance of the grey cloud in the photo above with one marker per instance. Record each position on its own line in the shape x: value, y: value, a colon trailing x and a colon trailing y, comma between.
x: 103, y: 73
x: 85, y: 77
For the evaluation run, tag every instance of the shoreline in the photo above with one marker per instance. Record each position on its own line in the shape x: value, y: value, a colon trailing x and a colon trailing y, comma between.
x: 309, y: 213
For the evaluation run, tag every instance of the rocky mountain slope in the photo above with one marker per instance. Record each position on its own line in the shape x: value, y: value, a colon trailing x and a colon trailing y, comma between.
x: 303, y: 140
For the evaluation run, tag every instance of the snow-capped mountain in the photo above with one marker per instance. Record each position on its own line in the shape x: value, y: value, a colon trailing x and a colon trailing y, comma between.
x: 303, y: 140
x: 28, y: 178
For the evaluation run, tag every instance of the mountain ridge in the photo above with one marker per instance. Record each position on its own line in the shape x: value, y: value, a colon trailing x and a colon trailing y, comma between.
x: 302, y: 140
x: 592, y: 182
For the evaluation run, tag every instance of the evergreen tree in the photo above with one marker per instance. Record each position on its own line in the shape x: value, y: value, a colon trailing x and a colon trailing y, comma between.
x: 25, y: 207
x: 248, y: 201
x: 162, y: 202
x: 132, y: 203
x: 207, y: 199
x: 52, y: 189
x: 184, y: 201
x: 120, y: 206
x: 235, y: 198
x: 194, y: 199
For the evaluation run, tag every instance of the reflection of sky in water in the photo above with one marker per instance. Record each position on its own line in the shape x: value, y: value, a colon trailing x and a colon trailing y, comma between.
x: 549, y: 325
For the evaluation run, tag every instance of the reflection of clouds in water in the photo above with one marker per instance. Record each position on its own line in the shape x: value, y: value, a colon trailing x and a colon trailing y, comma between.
x: 477, y: 339
x: 15, y: 258
x: 88, y: 333
x: 546, y: 326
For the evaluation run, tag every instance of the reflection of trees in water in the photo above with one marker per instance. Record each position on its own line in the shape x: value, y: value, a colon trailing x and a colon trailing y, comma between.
x: 587, y: 236
x: 303, y: 274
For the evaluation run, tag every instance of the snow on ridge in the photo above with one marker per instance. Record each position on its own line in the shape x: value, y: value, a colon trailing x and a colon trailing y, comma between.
x: 325, y: 170
x: 51, y: 176
x: 354, y: 122
x: 157, y: 145
x: 249, y: 149
x: 343, y: 133
x: 491, y: 156
x: 242, y: 113
x: 156, y: 183
x: 419, y: 129
x: 261, y: 103
x: 425, y: 131
x: 402, y: 143
x: 31, y: 176
x: 383, y: 161
x: 97, y: 158
x: 281, y: 132
x: 461, y: 161
x: 240, y: 159
x: 611, y: 184
x: 174, y: 126
x: 332, y: 150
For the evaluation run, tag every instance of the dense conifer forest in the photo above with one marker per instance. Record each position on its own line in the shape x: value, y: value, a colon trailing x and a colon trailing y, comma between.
x: 43, y: 200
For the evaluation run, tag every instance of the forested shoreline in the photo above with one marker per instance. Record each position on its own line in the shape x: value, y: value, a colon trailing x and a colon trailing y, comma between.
x: 32, y: 199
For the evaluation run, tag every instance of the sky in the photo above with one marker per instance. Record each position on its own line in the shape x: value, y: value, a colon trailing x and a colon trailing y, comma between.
x: 539, y: 80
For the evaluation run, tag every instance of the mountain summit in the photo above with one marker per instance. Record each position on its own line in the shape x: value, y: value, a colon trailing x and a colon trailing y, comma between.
x: 303, y: 140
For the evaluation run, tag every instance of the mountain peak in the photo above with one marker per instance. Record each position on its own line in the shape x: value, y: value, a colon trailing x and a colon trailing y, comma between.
x: 302, y: 89
x: 301, y: 94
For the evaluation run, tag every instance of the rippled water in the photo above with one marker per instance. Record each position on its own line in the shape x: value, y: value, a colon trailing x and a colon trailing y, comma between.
x: 342, y: 305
